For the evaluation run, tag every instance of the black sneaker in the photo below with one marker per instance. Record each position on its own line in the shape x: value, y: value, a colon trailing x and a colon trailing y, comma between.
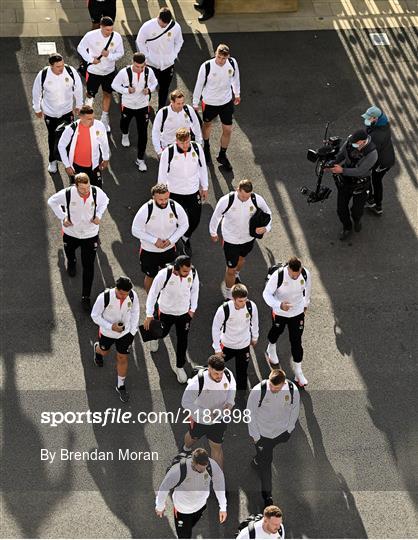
x: 187, y: 248
x: 72, y: 269
x: 224, y: 161
x: 357, y: 226
x: 344, y: 234
x: 86, y: 304
x: 370, y: 203
x: 268, y: 501
x: 208, y: 157
x: 254, y: 464
x: 123, y: 394
x: 97, y: 358
x: 376, y: 210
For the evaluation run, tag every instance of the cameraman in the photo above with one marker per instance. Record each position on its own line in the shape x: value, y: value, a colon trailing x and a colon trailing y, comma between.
x: 352, y: 170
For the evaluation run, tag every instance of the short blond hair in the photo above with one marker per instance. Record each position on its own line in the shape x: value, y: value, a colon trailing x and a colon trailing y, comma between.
x: 222, y: 49
x: 81, y: 178
x: 182, y: 135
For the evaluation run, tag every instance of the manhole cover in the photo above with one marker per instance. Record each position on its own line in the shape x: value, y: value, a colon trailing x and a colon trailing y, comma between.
x: 379, y: 39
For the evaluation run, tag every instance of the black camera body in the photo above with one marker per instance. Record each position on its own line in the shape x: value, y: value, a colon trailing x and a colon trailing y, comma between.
x: 323, y: 158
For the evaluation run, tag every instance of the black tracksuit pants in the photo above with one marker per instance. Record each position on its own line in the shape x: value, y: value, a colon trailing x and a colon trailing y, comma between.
x: 264, y: 456
x: 141, y: 117
x: 345, y: 194
x: 95, y: 175
x: 182, y: 324
x: 185, y: 522
x: 51, y: 125
x: 242, y: 359
x: 192, y: 205
x: 295, y: 326
x: 88, y: 247
x: 377, y: 184
x: 164, y: 78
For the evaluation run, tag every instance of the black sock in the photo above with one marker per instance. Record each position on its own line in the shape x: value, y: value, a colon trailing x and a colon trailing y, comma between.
x: 206, y: 143
x: 222, y: 152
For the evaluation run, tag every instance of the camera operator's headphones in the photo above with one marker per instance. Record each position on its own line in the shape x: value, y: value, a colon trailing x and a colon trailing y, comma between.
x: 181, y: 260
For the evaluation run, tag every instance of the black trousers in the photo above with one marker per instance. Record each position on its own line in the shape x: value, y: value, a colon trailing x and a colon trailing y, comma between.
x: 264, y: 456
x: 182, y: 324
x: 185, y: 522
x: 295, y: 326
x: 51, y: 125
x: 88, y: 248
x: 192, y: 205
x: 208, y: 6
x: 345, y: 194
x: 242, y: 359
x: 95, y: 175
x: 98, y: 10
x: 141, y: 117
x: 377, y: 185
x: 164, y: 78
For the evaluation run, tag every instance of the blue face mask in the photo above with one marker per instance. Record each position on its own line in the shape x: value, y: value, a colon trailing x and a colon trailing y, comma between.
x: 354, y: 145
x: 367, y: 122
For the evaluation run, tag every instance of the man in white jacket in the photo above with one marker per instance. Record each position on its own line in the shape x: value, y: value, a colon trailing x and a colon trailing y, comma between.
x: 160, y: 39
x: 82, y: 145
x: 209, y: 398
x: 235, y: 211
x: 274, y: 410
x: 80, y: 209
x: 234, y: 329
x: 190, y: 479
x: 176, y: 288
x: 116, y: 312
x: 101, y: 49
x: 288, y: 293
x: 183, y: 169
x: 57, y: 94
x: 135, y: 83
x: 171, y: 118
x: 268, y: 526
x: 159, y: 224
x: 218, y: 86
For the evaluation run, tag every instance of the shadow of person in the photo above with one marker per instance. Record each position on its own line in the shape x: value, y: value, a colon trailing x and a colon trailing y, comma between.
x: 29, y: 493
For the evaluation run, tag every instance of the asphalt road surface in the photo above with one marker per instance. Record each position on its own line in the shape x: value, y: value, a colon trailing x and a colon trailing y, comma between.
x: 349, y: 469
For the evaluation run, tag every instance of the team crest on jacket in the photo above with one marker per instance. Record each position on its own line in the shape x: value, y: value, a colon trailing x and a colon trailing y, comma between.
x: 98, y: 133
x: 189, y: 279
x: 66, y: 79
x: 206, y: 476
x: 230, y: 71
x: 111, y: 45
x: 302, y: 281
x: 169, y: 34
x: 247, y: 314
x: 251, y: 208
x: 171, y: 215
x: 225, y: 385
x: 129, y: 304
x: 194, y: 154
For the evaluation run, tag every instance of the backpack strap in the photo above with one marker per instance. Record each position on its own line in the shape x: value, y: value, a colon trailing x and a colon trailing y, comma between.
x: 43, y: 77
x: 230, y: 202
x: 94, y: 194
x: 227, y: 374
x: 193, y: 272
x: 226, y: 315
x: 150, y: 209
x: 209, y: 470
x: 164, y: 114
x: 130, y: 75
x: 280, y: 275
x: 146, y: 73
x: 131, y: 295
x: 183, y: 471
x: 254, y: 200
x: 189, y: 114
x: 291, y: 391
x: 68, y: 200
x: 106, y: 298
x: 173, y: 209
x: 263, y: 391
x: 207, y: 71
x: 168, y: 276
x: 232, y: 64
x: 70, y: 73
x: 249, y: 307
x: 195, y: 147
x: 170, y: 156
x: 169, y: 27
x: 251, y: 529
x: 201, y: 379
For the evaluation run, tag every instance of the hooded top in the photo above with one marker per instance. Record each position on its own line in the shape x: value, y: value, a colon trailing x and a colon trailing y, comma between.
x: 381, y: 136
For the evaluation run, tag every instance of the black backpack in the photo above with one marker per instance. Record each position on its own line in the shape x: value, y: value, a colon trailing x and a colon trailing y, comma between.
x: 250, y: 523
x: 151, y: 208
x: 172, y: 148
x: 182, y: 458
x: 165, y: 115
x: 68, y: 200
x: 263, y: 391
x: 44, y: 74
x: 207, y: 70
x: 200, y: 372
x: 225, y: 306
x: 231, y: 201
x: 280, y: 267
x: 107, y: 297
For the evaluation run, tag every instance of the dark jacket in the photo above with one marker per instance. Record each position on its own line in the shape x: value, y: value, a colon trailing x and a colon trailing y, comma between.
x: 357, y: 163
x: 381, y: 136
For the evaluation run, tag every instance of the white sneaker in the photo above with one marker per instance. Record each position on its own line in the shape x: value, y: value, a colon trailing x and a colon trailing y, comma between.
x: 89, y: 101
x: 125, y: 140
x: 299, y: 376
x: 105, y: 121
x: 153, y: 345
x: 227, y: 294
x: 52, y: 167
x: 271, y: 356
x: 142, y: 166
x: 181, y: 375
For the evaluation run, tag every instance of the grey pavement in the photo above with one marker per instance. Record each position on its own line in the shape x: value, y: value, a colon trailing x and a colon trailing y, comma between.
x: 350, y: 468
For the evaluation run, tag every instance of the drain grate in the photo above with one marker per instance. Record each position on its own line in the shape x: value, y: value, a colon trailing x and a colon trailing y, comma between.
x: 379, y: 39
